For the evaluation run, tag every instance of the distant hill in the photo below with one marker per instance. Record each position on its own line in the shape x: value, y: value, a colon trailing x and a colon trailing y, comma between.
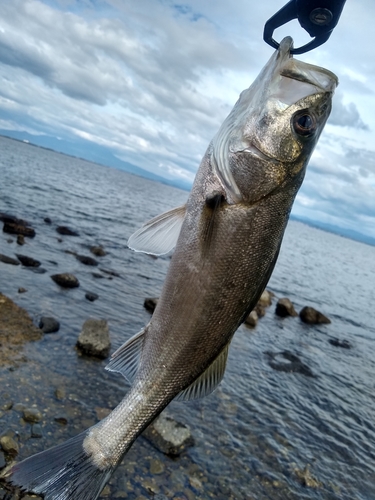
x: 90, y: 151
x: 347, y: 233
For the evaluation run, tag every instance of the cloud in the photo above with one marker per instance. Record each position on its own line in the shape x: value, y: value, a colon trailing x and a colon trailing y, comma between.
x: 346, y: 115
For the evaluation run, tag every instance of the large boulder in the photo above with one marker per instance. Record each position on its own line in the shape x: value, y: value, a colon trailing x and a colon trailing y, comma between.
x: 284, y: 307
x: 65, y: 280
x: 311, y: 316
x: 94, y: 338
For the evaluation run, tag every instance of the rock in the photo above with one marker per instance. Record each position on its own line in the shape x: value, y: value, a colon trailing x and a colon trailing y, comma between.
x: 32, y: 415
x: 48, y: 324
x: 66, y: 231
x: 286, y: 361
x: 150, y: 303
x: 110, y: 272
x: 98, y: 251
x: 168, y: 436
x: 61, y: 419
x: 9, y: 260
x: 2, y: 460
x: 304, y: 475
x: 28, y: 261
x: 265, y: 299
x: 9, y: 445
x: 252, y: 319
x: 313, y: 317
x: 65, y: 280
x: 47, y: 220
x: 94, y: 338
x: 22, y: 290
x: 20, y: 239
x: 88, y: 261
x: 345, y: 344
x: 12, y: 219
x: 60, y: 393
x: 284, y: 307
x: 14, y: 228
x: 91, y: 296
x: 36, y: 431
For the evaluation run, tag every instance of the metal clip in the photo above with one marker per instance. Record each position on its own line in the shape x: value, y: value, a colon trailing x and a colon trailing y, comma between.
x: 317, y: 17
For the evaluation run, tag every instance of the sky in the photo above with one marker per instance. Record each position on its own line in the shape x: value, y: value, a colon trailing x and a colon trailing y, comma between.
x: 151, y: 81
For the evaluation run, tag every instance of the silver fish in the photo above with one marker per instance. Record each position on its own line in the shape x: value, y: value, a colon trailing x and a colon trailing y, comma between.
x: 227, y: 241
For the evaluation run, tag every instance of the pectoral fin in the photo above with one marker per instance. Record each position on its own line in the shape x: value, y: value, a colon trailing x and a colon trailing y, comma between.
x: 160, y: 234
x: 208, y: 381
x: 127, y: 357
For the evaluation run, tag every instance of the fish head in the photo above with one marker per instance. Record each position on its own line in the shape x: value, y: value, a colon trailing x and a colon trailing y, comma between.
x: 269, y: 136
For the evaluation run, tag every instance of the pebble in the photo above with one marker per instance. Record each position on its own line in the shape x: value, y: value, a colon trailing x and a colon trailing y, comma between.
x: 94, y: 338
x: 20, y: 239
x: 32, y: 415
x: 65, y: 280
x: 91, y: 296
x: 36, y: 431
x: 22, y: 290
x: 156, y: 467
x: 9, y: 445
x: 60, y: 393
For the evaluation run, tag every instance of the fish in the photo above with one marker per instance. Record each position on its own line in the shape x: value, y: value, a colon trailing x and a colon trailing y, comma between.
x: 227, y: 239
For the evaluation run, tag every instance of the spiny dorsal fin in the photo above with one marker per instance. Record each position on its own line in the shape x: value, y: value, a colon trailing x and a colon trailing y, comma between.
x: 160, y: 234
x: 208, y: 381
x: 127, y: 357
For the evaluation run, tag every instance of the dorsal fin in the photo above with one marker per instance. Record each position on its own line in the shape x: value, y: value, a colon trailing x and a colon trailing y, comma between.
x: 127, y: 357
x: 208, y: 381
x: 160, y: 234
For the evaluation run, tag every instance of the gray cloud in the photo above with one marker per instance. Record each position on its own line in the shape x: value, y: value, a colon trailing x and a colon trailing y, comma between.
x: 346, y: 115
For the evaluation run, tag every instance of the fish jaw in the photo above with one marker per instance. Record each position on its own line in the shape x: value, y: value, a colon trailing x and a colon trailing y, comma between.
x: 257, y: 148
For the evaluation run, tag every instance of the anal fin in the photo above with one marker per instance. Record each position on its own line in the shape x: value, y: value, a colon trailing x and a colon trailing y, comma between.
x: 208, y: 381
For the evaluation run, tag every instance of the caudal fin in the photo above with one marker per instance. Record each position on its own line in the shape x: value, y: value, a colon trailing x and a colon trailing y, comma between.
x: 65, y: 472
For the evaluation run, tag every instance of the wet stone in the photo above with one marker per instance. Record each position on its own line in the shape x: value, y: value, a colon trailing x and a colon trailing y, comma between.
x: 14, y: 228
x: 6, y: 403
x: 284, y: 308
x: 66, y: 231
x: 65, y: 280
x: 61, y: 419
x: 9, y: 260
x: 91, y: 296
x: 60, y: 393
x: 345, y: 344
x: 28, y: 261
x: 98, y: 251
x: 88, y: 261
x: 169, y: 436
x: 94, y: 338
x: 36, y: 431
x: 252, y: 319
x: 22, y: 290
x: 156, y: 467
x: 19, y: 407
x: 48, y: 324
x: 311, y: 316
x: 286, y: 361
x: 20, y: 239
x: 9, y: 445
x: 32, y: 415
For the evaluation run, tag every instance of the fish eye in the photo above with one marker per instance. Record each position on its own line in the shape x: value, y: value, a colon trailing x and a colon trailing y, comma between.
x: 304, y: 123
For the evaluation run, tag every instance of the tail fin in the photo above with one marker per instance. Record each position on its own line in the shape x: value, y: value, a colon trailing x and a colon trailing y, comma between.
x: 65, y: 472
